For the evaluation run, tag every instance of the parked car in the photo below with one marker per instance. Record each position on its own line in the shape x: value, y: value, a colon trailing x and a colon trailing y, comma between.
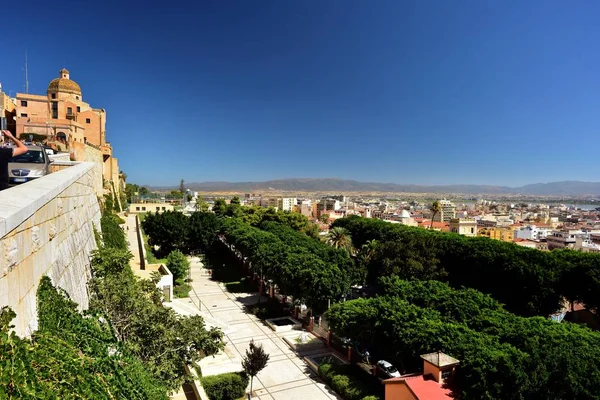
x: 386, y: 370
x: 31, y: 165
x: 49, y: 150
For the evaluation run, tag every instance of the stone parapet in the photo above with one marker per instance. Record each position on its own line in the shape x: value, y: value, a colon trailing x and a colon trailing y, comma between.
x: 47, y: 228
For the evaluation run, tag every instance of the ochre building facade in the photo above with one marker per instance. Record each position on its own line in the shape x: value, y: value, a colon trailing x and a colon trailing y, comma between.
x: 67, y: 123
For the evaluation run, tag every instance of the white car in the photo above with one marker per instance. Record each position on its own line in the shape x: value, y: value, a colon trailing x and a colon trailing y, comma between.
x: 386, y: 370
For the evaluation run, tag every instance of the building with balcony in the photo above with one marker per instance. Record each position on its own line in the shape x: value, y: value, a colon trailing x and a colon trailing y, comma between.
x: 463, y: 226
x: 505, y: 234
x: 63, y: 120
x: 447, y: 211
x: 286, y: 203
x: 562, y: 239
x: 532, y: 232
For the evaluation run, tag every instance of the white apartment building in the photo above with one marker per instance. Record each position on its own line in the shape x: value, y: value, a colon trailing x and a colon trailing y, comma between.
x: 286, y: 203
x: 563, y: 239
x: 447, y: 211
x: 532, y: 232
x: 463, y: 226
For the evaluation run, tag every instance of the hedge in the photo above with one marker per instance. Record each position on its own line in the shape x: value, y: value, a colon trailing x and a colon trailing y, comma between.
x: 229, y: 386
x: 344, y: 381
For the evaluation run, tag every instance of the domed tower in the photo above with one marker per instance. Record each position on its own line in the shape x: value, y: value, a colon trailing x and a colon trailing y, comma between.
x: 62, y: 87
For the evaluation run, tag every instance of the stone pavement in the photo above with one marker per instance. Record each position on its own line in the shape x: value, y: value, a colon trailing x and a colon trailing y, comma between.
x: 286, y: 377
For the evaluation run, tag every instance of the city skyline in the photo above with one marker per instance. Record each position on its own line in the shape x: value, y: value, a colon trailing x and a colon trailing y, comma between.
x: 459, y: 93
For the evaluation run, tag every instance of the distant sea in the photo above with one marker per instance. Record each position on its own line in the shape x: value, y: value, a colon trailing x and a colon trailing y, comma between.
x: 585, y: 207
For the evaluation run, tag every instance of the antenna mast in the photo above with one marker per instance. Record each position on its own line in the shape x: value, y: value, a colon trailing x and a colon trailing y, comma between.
x: 26, y: 75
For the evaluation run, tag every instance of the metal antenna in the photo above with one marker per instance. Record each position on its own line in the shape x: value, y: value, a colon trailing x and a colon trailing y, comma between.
x: 26, y: 74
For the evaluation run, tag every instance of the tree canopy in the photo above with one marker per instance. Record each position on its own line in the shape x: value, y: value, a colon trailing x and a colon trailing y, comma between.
x: 503, y: 356
x: 527, y: 281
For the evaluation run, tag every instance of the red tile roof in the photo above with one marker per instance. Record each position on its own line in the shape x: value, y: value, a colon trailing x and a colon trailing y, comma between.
x: 424, y: 389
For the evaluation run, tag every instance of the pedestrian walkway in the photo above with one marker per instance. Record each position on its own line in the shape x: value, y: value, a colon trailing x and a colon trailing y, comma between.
x: 286, y: 377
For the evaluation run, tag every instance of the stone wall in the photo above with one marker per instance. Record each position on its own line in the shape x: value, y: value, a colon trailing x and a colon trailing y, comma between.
x: 93, y: 154
x: 46, y: 228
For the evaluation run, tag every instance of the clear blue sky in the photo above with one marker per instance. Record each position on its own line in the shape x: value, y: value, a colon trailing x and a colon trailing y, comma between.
x: 426, y: 92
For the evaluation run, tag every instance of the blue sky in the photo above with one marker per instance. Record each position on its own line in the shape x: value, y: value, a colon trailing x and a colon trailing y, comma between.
x: 426, y: 92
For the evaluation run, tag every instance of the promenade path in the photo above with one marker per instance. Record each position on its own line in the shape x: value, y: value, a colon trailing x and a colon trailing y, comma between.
x: 286, y: 377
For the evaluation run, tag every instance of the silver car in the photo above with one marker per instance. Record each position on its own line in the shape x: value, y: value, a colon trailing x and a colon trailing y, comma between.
x: 31, y: 165
x: 386, y: 370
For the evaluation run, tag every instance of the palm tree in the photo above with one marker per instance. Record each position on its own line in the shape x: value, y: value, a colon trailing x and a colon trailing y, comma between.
x: 340, y: 238
x: 435, y: 209
x: 367, y: 250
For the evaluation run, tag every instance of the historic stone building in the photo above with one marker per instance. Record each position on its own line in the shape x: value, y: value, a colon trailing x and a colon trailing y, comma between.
x: 63, y: 120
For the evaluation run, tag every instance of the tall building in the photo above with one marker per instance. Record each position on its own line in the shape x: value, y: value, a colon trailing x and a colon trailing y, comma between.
x: 447, y: 211
x: 62, y: 119
x: 286, y: 203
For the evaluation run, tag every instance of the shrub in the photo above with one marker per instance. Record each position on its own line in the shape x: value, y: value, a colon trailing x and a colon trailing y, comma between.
x: 112, y: 234
x: 229, y: 386
x: 178, y: 265
x: 343, y: 380
x: 340, y: 384
x: 182, y: 290
x: 325, y: 370
x: 371, y: 398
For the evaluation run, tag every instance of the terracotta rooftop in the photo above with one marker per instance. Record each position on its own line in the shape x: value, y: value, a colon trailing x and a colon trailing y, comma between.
x: 439, y: 359
x: 422, y: 388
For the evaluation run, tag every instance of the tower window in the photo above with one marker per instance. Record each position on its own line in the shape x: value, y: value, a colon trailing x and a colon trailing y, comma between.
x: 54, y: 110
x: 77, y: 97
x: 69, y: 110
x: 23, y: 103
x: 87, y: 121
x: 53, y: 95
x: 78, y: 109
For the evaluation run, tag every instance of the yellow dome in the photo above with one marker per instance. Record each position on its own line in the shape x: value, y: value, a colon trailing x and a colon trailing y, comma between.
x: 64, y: 84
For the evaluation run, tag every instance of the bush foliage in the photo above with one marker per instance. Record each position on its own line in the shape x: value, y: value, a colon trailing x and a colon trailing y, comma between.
x: 503, y: 356
x: 229, y: 386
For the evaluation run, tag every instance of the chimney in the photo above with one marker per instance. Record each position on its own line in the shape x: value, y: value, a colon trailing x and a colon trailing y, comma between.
x: 439, y: 365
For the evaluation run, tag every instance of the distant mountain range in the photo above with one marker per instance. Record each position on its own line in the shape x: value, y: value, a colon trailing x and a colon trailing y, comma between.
x: 333, y: 185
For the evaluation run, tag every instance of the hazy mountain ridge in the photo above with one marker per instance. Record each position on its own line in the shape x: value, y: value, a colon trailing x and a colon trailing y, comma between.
x: 566, y: 188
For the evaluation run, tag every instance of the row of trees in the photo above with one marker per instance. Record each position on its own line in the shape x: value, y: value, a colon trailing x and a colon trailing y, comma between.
x: 171, y: 230
x: 295, y: 269
x: 503, y: 356
x: 527, y: 281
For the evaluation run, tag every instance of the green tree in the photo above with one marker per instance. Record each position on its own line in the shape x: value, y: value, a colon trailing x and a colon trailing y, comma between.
x: 435, y: 209
x: 175, y: 194
x: 340, y: 238
x: 254, y: 361
x: 203, y: 228
x: 167, y: 230
x: 131, y: 191
x: 324, y: 218
x: 201, y: 205
x: 112, y: 234
x: 144, y: 191
x: 219, y: 207
x: 153, y: 333
x: 181, y: 187
x: 179, y: 265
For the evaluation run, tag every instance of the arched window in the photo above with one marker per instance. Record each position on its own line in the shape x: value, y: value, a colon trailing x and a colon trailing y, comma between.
x: 61, y: 137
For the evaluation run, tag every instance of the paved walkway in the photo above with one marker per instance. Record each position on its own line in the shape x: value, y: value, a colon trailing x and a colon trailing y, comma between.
x: 286, y: 377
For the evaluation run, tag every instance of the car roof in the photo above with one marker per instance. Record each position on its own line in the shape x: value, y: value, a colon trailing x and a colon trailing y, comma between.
x: 384, y: 363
